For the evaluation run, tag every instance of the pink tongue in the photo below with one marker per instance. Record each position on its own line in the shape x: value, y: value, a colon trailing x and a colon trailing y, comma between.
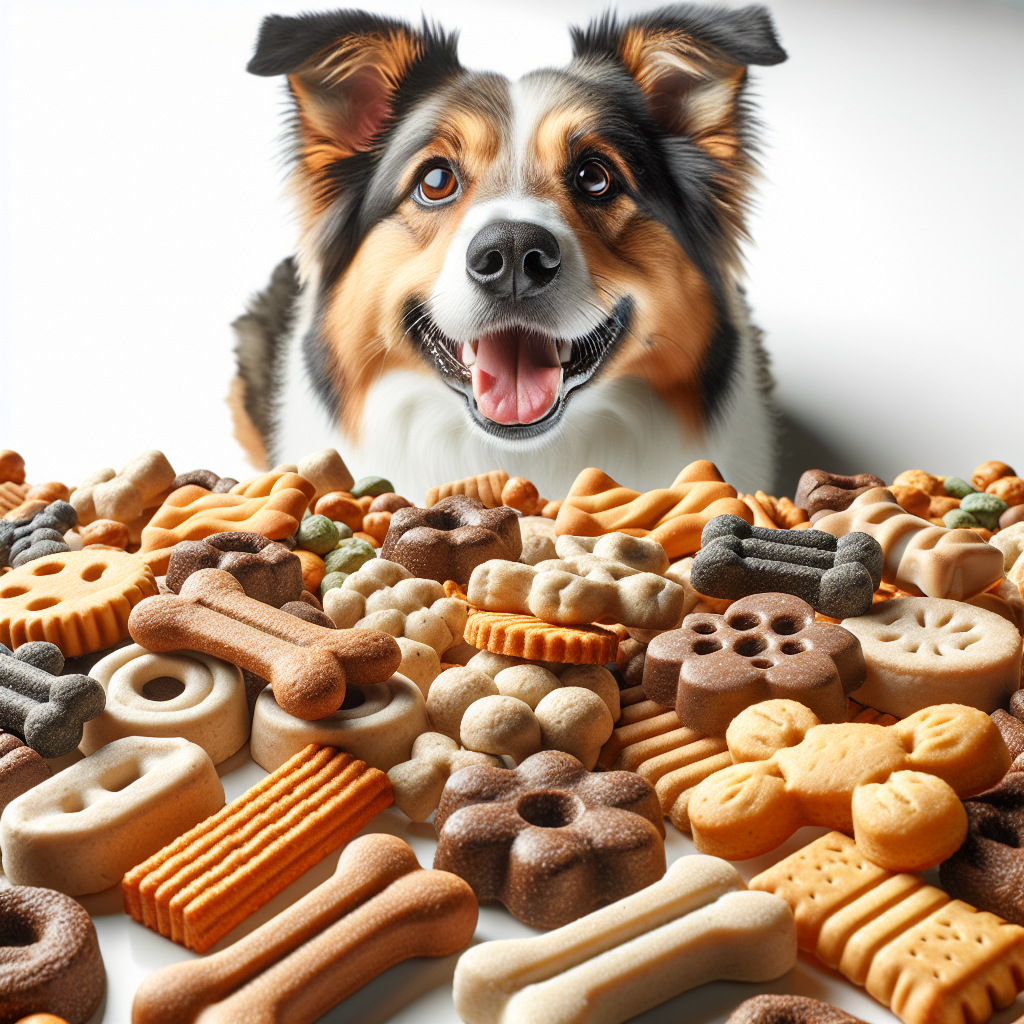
x: 510, y: 382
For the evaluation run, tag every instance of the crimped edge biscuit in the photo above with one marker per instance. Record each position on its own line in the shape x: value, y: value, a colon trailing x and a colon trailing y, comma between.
x: 523, y: 636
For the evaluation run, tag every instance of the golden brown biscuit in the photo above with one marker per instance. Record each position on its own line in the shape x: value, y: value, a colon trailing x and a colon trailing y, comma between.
x: 485, y: 487
x: 523, y: 636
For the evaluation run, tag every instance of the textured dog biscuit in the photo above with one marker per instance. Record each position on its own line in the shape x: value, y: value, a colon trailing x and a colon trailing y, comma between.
x: 930, y: 959
x: 39, y: 533
x: 922, y: 651
x: 766, y: 1009
x: 485, y: 487
x: 693, y: 926
x: 79, y: 831
x: 21, y: 768
x: 378, y: 909
x: 821, y: 492
x: 523, y: 636
x: 78, y: 600
x: 326, y: 471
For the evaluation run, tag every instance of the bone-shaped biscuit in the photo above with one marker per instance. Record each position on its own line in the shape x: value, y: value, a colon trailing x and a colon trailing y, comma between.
x: 307, y: 665
x: 378, y: 909
x: 695, y: 925
x: 124, y: 496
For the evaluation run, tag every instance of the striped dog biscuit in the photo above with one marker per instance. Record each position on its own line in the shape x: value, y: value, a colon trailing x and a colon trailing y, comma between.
x: 196, y: 889
x: 485, y: 487
x: 523, y: 636
x: 930, y: 959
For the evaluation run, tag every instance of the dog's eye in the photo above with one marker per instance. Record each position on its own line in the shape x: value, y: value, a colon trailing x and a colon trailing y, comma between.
x: 437, y: 184
x: 593, y: 179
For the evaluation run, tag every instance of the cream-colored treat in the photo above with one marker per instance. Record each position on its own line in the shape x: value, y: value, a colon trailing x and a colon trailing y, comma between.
x: 575, y: 720
x: 539, y: 538
x: 81, y: 830
x: 501, y: 725
x: 451, y: 693
x: 187, y: 694
x: 597, y: 679
x: 921, y: 651
x: 142, y: 483
x: 530, y: 683
x: 897, y: 788
x: 377, y: 723
x: 1004, y: 599
x: 695, y: 925
x: 385, y: 595
x: 420, y: 663
x: 615, y: 578
x: 1011, y: 543
x: 930, y: 959
x: 920, y: 558
x: 419, y: 782
x: 326, y: 471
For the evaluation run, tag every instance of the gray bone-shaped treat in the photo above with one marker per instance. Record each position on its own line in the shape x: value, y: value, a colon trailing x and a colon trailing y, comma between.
x: 47, y: 710
x: 25, y: 540
x: 835, y: 577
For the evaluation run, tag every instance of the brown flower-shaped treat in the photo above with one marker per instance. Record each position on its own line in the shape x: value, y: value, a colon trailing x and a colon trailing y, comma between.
x: 821, y: 492
x: 549, y: 839
x: 268, y: 571
x: 764, y: 647
x: 449, y: 540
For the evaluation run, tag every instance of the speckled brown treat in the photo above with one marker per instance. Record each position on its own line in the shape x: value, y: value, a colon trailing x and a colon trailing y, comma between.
x: 49, y: 956
x: 449, y: 540
x: 819, y: 491
x: 550, y: 840
x: 523, y: 636
x: 765, y: 646
x: 389, y: 502
x: 789, y: 1010
x: 21, y: 768
x: 205, y: 478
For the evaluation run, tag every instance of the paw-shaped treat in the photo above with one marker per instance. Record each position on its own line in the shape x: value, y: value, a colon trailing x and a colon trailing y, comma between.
x: 268, y: 572
x: 141, y: 484
x: 385, y: 595
x: 764, y: 647
x: 919, y: 558
x: 819, y: 493
x: 307, y: 665
x: 615, y: 578
x: 766, y: 1009
x: 674, y: 516
x: 23, y: 541
x: 896, y: 788
x: 37, y: 703
x: 550, y: 840
x: 835, y: 577
x: 921, y: 651
x: 449, y: 540
x: 21, y: 768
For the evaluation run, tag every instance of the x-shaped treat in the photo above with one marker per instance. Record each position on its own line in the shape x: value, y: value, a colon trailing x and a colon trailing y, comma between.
x: 308, y: 666
x: 835, y: 577
x: 611, y: 578
x: 763, y: 647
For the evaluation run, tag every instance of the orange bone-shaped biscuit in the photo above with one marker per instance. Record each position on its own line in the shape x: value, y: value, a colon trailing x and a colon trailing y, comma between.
x: 307, y: 665
x: 674, y: 516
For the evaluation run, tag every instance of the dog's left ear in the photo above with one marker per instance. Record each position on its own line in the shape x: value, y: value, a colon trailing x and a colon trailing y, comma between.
x: 690, y: 62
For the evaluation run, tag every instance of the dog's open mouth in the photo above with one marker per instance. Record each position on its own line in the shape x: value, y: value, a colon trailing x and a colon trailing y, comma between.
x: 517, y: 380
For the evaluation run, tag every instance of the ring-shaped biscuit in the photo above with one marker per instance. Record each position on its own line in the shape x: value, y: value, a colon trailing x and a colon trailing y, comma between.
x: 209, y: 708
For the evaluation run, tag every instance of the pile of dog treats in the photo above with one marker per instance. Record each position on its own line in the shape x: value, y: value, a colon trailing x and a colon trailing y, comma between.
x: 549, y: 681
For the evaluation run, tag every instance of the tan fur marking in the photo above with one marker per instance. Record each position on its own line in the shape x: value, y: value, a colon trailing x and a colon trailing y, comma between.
x: 244, y: 430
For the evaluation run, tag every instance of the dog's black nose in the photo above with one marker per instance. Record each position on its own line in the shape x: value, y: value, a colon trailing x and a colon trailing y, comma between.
x: 513, y: 258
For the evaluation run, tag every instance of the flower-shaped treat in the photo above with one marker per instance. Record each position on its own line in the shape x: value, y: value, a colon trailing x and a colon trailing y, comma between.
x: 549, y: 839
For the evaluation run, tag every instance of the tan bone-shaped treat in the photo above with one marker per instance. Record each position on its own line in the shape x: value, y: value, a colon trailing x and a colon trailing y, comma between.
x: 896, y: 788
x: 616, y: 578
x: 920, y: 559
x: 307, y: 665
x: 122, y: 497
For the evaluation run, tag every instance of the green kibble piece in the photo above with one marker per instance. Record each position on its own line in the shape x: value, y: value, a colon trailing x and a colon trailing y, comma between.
x: 317, y: 534
x: 332, y: 581
x: 349, y: 556
x: 957, y: 488
x: 986, y: 508
x: 344, y: 530
x: 958, y: 519
x: 372, y: 486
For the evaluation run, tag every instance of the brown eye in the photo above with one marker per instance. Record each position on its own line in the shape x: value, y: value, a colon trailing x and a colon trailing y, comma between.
x: 593, y: 179
x: 436, y: 184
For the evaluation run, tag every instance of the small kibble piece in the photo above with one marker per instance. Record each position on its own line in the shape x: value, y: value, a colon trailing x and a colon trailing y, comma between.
x: 922, y: 481
x: 989, y: 472
x: 522, y: 495
x: 912, y: 499
x: 370, y: 487
x: 108, y: 532
x: 12, y: 467
x: 1009, y: 489
x: 341, y: 508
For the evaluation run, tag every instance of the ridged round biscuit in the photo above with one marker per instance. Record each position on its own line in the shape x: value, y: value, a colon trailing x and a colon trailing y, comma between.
x: 523, y: 636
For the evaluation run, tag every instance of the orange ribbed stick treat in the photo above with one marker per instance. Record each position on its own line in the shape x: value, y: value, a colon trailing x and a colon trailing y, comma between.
x: 196, y: 889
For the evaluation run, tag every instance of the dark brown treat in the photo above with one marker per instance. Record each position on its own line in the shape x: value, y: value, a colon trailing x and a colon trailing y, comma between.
x: 224, y: 484
x: 389, y: 502
x: 630, y: 661
x: 1012, y: 731
x: 449, y: 540
x: 988, y: 869
x: 49, y: 956
x: 1017, y: 705
x: 311, y: 599
x: 549, y: 839
x: 198, y: 478
x: 819, y: 491
x: 268, y: 571
x: 306, y: 611
x: 764, y: 647
x: 21, y: 768
x: 789, y: 1010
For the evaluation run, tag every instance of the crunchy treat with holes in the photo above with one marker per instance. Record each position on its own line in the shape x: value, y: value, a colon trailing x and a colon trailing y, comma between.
x: 21, y: 768
x: 764, y: 647
x: 930, y: 959
x: 694, y: 926
x: 766, y: 1009
x: 143, y: 483
x: 921, y: 651
x: 81, y: 830
x: 550, y: 840
x: 897, y: 789
x: 525, y: 636
x: 818, y: 493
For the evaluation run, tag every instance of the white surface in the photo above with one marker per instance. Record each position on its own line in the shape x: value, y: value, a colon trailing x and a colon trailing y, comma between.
x: 140, y: 204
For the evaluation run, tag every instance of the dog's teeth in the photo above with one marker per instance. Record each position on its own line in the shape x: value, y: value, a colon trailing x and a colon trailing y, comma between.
x: 468, y: 353
x: 565, y: 352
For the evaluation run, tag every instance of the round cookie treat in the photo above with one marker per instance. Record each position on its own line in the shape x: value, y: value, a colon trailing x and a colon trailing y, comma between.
x: 49, y: 956
x: 524, y: 636
x: 766, y: 1009
x: 195, y: 696
x: 921, y: 651
x: 549, y: 839
x: 377, y: 723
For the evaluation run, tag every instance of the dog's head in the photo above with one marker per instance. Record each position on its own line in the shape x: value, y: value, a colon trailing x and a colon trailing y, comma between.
x: 520, y: 239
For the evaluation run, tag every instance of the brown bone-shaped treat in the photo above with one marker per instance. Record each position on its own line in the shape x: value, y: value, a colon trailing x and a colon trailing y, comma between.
x: 819, y: 491
x: 306, y: 665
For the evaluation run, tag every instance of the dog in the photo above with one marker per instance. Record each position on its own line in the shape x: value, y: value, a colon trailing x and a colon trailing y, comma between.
x: 537, y: 275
